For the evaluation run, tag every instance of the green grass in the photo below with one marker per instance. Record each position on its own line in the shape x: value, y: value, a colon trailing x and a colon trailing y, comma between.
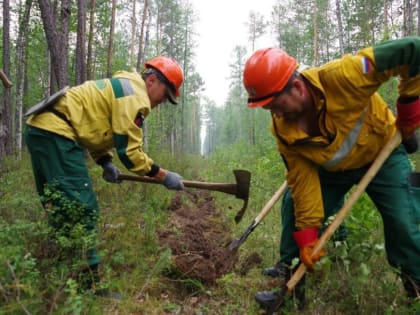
x: 352, y: 279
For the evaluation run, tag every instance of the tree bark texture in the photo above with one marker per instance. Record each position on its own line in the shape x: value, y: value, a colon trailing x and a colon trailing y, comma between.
x: 140, y: 58
x: 89, y: 62
x: 21, y: 69
x: 111, y: 39
x: 57, y: 40
x: 81, y: 42
x: 6, y: 118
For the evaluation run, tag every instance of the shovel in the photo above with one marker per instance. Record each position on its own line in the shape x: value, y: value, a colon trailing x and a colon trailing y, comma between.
x: 240, y: 189
x: 234, y: 245
x: 364, y: 182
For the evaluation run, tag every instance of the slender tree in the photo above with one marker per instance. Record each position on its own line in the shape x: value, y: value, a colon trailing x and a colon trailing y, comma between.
x: 140, y: 58
x: 418, y: 17
x: 89, y: 62
x: 81, y: 42
x: 6, y: 117
x: 316, y: 35
x: 133, y: 33
x: 21, y: 47
x: 256, y: 27
x: 340, y: 26
x: 111, y: 39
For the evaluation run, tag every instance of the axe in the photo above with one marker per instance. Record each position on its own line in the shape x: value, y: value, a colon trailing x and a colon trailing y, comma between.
x: 240, y: 189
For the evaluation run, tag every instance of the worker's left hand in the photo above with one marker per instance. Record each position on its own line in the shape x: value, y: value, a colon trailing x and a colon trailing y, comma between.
x: 408, y: 115
x: 111, y: 172
x: 306, y: 240
x: 173, y: 180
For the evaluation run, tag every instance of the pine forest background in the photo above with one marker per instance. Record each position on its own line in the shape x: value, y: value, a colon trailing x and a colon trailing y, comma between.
x: 49, y: 44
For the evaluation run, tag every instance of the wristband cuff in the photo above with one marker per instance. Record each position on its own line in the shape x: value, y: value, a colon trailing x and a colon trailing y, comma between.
x: 306, y: 236
x: 407, y: 99
x: 407, y: 110
x: 153, y: 170
x: 103, y: 160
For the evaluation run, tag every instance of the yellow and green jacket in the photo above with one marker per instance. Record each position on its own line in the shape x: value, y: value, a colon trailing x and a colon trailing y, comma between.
x: 102, y: 115
x: 354, y: 120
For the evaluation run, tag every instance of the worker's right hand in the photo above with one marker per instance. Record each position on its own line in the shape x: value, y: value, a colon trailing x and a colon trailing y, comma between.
x: 408, y: 116
x: 173, y: 180
x: 110, y: 172
x: 306, y: 240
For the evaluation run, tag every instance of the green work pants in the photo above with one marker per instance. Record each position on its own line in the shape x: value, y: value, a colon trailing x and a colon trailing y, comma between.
x: 60, y: 162
x: 395, y: 192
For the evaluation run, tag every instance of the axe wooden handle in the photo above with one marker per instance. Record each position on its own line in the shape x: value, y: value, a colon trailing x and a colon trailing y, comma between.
x: 222, y: 187
x: 364, y: 182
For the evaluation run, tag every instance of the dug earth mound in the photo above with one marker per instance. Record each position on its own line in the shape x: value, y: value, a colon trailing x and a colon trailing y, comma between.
x: 198, y: 235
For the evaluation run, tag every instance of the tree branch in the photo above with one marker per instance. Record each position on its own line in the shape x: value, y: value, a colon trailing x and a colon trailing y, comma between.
x: 6, y: 82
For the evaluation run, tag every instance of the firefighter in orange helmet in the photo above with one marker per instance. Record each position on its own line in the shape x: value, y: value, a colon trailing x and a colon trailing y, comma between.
x: 99, y: 116
x: 330, y: 123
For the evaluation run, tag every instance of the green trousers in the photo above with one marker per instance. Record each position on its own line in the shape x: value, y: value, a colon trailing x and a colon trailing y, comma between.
x: 395, y: 192
x: 60, y: 162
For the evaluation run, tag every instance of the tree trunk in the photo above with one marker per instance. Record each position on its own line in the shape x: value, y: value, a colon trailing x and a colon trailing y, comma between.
x: 21, y: 47
x: 340, y: 26
x: 407, y: 18
x: 418, y: 17
x: 111, y: 39
x: 89, y: 62
x: 80, y: 43
x: 140, y: 58
x: 315, y: 23
x: 6, y: 117
x: 133, y: 34
x: 57, y: 40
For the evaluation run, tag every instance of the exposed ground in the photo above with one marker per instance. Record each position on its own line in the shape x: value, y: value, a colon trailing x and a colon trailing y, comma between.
x: 198, y: 236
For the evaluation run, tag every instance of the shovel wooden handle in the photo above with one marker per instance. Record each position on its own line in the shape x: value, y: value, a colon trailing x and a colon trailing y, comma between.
x: 364, y: 182
x: 271, y: 203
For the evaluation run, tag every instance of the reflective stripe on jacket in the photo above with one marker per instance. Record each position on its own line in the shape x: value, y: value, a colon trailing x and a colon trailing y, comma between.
x: 354, y: 121
x: 104, y: 114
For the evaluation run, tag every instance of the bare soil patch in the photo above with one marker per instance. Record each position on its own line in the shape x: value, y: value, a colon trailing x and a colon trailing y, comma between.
x: 198, y: 236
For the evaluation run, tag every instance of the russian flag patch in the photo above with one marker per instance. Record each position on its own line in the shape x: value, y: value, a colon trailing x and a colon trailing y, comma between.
x: 366, y: 65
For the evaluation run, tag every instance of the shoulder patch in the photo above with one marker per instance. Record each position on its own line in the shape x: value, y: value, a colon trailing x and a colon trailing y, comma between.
x: 100, y: 84
x: 139, y: 120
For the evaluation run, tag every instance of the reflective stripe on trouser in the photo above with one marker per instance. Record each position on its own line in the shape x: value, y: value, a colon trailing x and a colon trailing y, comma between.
x: 61, y: 161
x: 397, y: 200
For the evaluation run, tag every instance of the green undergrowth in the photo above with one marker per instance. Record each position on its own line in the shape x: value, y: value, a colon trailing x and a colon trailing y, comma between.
x: 354, y: 277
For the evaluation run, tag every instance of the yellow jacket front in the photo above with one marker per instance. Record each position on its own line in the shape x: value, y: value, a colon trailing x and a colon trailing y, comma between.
x: 104, y: 114
x: 354, y: 120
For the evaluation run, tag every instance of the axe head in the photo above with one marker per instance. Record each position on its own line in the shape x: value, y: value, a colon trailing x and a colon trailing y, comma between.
x: 243, y: 182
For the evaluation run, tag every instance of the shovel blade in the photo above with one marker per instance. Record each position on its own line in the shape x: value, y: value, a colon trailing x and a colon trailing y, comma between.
x: 234, y: 245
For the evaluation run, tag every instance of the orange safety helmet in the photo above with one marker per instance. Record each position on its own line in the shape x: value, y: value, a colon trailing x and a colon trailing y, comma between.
x: 172, y: 73
x: 266, y: 73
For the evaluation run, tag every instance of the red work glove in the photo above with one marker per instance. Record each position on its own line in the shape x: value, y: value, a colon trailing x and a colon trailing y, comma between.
x: 408, y: 115
x: 306, y: 240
